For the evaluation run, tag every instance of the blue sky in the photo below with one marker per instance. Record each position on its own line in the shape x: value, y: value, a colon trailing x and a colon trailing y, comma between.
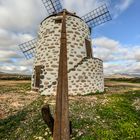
x: 126, y: 27
x: 117, y: 42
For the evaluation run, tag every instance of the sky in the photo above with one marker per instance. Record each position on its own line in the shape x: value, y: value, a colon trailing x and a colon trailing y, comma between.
x: 116, y: 42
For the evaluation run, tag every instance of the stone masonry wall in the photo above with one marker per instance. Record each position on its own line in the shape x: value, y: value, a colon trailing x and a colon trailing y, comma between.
x: 77, y: 32
x: 87, y: 77
x: 47, y: 55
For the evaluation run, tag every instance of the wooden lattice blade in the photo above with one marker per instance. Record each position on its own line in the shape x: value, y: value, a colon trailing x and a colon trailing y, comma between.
x: 52, y: 6
x: 28, y: 48
x: 97, y: 16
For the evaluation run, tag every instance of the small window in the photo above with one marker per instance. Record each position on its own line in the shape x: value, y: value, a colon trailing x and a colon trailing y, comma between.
x: 58, y: 20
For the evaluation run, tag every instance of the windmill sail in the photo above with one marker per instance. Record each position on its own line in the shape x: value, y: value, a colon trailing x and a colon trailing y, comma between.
x: 97, y: 16
x: 52, y: 6
x: 28, y: 48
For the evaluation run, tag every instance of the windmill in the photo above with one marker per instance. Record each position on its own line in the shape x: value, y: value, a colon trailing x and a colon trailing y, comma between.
x: 63, y: 58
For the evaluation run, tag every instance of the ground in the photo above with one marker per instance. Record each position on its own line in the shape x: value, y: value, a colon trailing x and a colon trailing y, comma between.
x: 112, y: 115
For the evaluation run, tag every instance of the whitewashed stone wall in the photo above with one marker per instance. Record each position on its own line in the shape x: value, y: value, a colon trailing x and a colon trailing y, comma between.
x: 87, y: 78
x: 47, y: 55
x: 77, y: 32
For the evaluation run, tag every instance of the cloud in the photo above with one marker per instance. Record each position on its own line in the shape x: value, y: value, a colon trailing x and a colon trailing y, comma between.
x: 9, y: 45
x: 25, y: 15
x: 8, y: 54
x: 124, y: 4
x: 19, y: 22
x: 18, y: 18
x: 19, y: 65
x: 106, y: 43
x: 137, y: 53
x: 20, y: 15
x: 8, y: 38
x: 117, y: 57
x: 131, y: 68
x: 121, y: 6
x: 5, y: 60
x: 136, y: 68
x: 105, y: 48
x: 110, y: 50
x: 81, y: 7
x: 16, y: 69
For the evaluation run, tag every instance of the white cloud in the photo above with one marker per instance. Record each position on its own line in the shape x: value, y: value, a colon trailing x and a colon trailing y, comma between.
x: 20, y: 15
x: 124, y: 4
x: 117, y: 57
x: 19, y: 20
x: 110, y: 50
x: 81, y: 7
x: 25, y: 15
x: 105, y: 48
x: 8, y: 38
x: 9, y: 45
x: 16, y: 69
x: 106, y: 43
x: 128, y: 68
x: 137, y: 53
x: 20, y: 65
x: 24, y: 62
x: 121, y: 6
x: 8, y: 54
x: 5, y: 60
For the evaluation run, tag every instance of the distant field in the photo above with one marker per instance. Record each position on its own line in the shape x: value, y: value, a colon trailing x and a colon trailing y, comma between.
x: 113, y: 115
x: 131, y: 80
x: 4, y: 76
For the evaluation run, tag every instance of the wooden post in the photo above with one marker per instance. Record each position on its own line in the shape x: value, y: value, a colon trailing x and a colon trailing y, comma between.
x: 61, y: 121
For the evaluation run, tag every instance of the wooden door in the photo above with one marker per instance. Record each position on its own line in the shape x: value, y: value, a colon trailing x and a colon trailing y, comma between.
x: 88, y: 48
x: 37, y: 76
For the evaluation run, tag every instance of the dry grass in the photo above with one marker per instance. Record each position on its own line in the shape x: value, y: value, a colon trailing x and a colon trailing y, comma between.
x: 14, y: 97
x: 111, y: 115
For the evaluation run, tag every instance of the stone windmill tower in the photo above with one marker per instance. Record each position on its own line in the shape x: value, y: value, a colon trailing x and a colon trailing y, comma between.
x: 85, y: 73
x: 64, y: 63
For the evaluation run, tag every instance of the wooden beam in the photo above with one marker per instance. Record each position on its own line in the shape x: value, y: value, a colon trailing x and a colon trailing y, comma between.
x: 61, y: 121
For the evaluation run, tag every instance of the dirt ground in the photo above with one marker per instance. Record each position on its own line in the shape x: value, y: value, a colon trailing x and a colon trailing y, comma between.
x: 15, y: 95
x: 120, y: 87
x: 11, y: 83
x: 113, y: 83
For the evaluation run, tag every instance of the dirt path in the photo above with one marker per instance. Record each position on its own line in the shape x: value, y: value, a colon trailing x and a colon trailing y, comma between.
x: 113, y: 83
x: 113, y: 87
